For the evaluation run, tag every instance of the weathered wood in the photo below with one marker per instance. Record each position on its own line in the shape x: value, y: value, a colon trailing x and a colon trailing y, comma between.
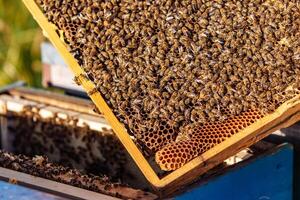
x: 51, y: 187
x: 12, y: 104
x: 50, y: 98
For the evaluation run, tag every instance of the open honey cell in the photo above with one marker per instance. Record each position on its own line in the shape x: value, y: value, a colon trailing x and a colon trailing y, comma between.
x: 185, y: 82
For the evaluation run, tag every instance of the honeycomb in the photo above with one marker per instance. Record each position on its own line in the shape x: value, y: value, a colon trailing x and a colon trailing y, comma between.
x: 167, y: 68
x: 199, y: 139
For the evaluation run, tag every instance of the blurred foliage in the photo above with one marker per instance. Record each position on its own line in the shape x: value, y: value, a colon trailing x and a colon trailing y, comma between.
x: 20, y: 40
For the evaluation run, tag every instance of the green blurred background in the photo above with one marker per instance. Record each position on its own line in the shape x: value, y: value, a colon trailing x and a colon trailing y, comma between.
x: 20, y: 39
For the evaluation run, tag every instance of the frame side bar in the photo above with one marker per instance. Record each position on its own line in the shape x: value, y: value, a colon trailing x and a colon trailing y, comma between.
x: 96, y: 97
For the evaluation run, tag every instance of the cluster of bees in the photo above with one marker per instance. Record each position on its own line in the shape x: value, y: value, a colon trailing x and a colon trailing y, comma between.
x: 40, y: 166
x: 163, y: 65
x: 97, y: 152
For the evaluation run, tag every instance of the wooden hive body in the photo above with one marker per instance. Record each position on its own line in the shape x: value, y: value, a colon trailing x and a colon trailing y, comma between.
x: 244, y: 136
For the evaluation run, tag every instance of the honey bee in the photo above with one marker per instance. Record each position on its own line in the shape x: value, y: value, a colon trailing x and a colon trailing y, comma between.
x: 92, y: 92
x: 77, y: 80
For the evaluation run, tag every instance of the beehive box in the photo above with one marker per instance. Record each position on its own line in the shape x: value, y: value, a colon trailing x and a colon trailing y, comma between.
x: 34, y: 123
x: 212, y: 142
x: 55, y: 127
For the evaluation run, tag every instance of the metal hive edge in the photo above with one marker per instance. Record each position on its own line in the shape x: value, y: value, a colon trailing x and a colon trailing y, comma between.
x: 284, y: 116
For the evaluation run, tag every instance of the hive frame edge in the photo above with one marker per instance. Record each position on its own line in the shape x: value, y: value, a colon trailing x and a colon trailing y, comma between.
x: 96, y: 97
x: 284, y: 116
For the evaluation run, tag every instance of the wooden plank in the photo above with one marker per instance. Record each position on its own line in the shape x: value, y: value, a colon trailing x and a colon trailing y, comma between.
x: 55, y: 99
x: 12, y: 104
x: 52, y: 111
x: 16, y: 104
x: 51, y: 187
x: 94, y: 123
x: 6, y: 88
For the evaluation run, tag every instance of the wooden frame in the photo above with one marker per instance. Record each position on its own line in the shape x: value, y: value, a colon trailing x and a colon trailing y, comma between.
x: 284, y: 116
x: 55, y: 99
x: 11, y: 104
x: 51, y: 187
